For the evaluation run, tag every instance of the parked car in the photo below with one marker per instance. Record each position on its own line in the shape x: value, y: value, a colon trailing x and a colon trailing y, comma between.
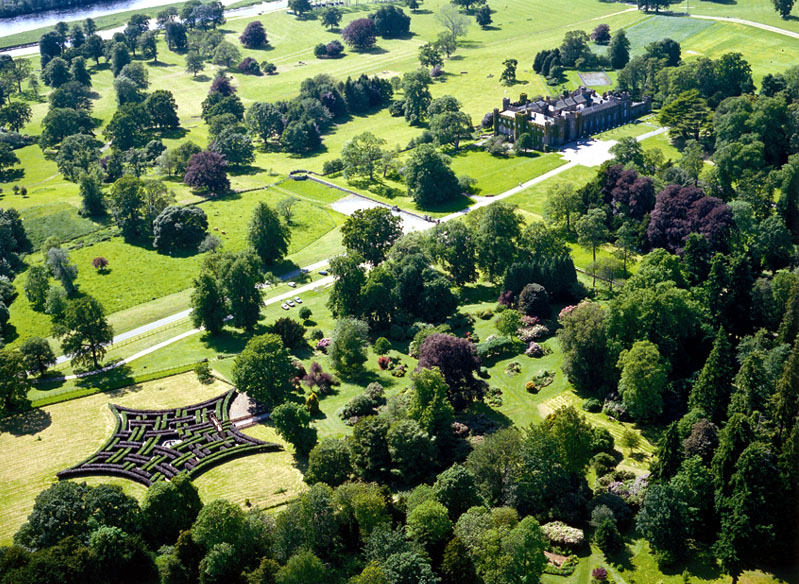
x: 323, y: 272
x: 290, y: 303
x: 284, y: 306
x: 293, y: 284
x: 298, y: 300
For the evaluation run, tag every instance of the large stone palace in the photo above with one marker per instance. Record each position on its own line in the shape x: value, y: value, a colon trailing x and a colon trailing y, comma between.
x: 555, y: 122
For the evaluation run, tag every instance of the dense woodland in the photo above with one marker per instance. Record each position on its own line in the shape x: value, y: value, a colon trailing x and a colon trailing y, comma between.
x: 699, y: 345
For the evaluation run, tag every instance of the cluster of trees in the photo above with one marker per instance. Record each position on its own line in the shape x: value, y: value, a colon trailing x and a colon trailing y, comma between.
x: 574, y: 52
x: 68, y: 125
x: 478, y: 520
x: 361, y: 34
x: 297, y: 125
x: 227, y: 286
x: 403, y: 285
x: 661, y: 74
x: 693, y: 341
x: 14, y: 244
x: 428, y: 177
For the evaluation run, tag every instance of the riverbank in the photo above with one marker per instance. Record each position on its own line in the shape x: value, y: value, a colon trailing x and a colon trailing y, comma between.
x: 109, y: 21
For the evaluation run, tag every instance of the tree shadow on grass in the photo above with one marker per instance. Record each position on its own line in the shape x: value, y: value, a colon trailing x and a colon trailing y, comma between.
x: 10, y: 333
x: 478, y: 293
x: 161, y: 64
x: 201, y: 78
x: 702, y: 564
x: 482, y: 419
x: 174, y: 134
x: 13, y: 174
x: 26, y: 423
x: 245, y: 170
x: 231, y: 341
x: 372, y: 51
x: 118, y: 380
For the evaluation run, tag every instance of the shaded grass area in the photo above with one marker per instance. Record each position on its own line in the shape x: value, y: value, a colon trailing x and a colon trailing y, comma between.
x: 56, y: 219
x: 36, y: 445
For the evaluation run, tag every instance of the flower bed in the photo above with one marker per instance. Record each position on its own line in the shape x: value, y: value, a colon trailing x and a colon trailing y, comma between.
x: 150, y: 445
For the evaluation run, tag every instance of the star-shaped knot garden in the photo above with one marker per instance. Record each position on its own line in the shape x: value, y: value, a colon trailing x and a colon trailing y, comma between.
x: 153, y: 445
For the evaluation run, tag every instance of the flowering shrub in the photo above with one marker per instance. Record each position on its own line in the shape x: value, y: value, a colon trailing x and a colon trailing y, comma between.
x: 534, y: 350
x: 319, y: 379
x: 529, y: 320
x: 567, y: 310
x: 599, y: 573
x: 531, y: 387
x: 559, y: 533
x: 632, y: 491
x: 614, y: 409
x: 100, y: 263
x: 506, y: 298
x: 323, y: 344
x: 532, y: 333
x: 383, y: 362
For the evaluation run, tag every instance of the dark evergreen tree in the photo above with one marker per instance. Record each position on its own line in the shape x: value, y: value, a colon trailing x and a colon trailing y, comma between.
x: 712, y: 389
x: 668, y: 455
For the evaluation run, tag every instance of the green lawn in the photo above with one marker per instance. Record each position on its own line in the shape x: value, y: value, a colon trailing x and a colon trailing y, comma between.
x: 138, y: 274
x: 755, y: 10
x: 533, y: 200
x: 496, y: 174
x: 658, y: 27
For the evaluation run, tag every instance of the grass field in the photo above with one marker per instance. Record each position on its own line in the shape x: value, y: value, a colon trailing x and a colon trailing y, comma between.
x: 36, y: 445
x: 472, y: 76
x: 755, y: 10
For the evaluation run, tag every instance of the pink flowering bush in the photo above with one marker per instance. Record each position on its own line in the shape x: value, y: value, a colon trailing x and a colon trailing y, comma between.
x: 323, y: 344
x: 567, y: 310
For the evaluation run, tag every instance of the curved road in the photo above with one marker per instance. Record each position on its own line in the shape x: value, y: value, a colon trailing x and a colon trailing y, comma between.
x: 588, y: 153
x: 760, y: 25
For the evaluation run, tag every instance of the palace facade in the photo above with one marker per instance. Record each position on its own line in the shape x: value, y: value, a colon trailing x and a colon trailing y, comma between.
x: 555, y: 122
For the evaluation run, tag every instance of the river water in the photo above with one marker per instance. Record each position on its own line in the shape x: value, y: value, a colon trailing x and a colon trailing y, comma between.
x: 27, y: 22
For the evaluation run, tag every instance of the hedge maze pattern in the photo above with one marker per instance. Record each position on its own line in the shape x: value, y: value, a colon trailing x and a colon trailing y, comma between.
x: 152, y: 445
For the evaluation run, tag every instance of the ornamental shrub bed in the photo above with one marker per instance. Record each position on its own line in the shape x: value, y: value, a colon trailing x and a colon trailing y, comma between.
x: 151, y: 445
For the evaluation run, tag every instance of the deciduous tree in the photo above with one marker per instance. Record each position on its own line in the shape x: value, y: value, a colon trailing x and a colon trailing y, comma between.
x: 264, y: 370
x: 84, y: 332
x: 371, y: 232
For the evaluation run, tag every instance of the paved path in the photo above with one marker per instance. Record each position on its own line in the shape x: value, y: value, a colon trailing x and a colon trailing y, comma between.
x: 760, y: 25
x: 290, y: 294
x: 590, y: 153
x: 348, y: 205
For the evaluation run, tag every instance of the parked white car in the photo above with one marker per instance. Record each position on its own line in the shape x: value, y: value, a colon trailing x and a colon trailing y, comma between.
x: 298, y: 300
